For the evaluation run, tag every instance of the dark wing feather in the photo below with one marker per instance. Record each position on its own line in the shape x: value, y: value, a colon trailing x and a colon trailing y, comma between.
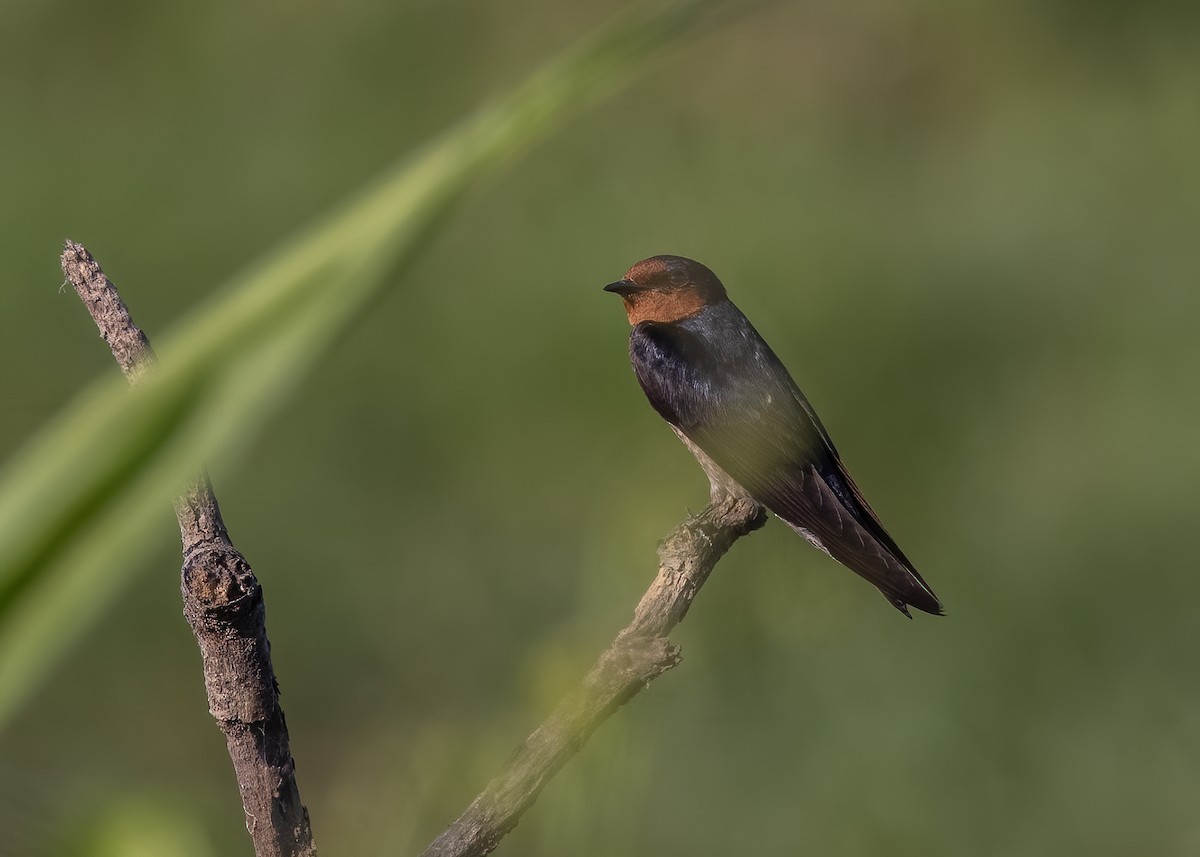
x: 732, y: 397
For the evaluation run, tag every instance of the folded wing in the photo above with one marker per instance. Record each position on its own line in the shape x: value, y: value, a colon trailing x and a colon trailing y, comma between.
x: 759, y: 428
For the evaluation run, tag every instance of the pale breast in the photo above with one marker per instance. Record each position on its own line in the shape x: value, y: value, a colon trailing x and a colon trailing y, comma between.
x: 718, y: 480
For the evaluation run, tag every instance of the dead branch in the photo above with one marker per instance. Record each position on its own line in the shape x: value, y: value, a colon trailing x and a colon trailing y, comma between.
x: 223, y: 603
x: 639, y: 654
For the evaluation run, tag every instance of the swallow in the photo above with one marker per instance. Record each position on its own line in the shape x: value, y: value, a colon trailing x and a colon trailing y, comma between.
x: 721, y: 388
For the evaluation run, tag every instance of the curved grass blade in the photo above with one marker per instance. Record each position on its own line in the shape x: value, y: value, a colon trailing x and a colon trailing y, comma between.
x: 78, y: 501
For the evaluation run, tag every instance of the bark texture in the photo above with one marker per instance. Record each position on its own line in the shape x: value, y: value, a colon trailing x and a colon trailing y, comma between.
x: 223, y: 603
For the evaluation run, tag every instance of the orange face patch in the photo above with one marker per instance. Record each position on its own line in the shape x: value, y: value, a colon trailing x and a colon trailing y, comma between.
x: 663, y: 306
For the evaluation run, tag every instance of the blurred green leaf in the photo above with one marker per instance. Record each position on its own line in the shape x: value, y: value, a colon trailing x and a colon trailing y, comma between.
x: 77, y: 502
x: 141, y: 827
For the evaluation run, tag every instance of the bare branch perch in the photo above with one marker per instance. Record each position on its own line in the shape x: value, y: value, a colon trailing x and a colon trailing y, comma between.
x: 639, y: 654
x: 223, y: 603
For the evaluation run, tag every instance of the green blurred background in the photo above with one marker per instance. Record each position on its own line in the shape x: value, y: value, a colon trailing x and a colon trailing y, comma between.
x: 969, y: 229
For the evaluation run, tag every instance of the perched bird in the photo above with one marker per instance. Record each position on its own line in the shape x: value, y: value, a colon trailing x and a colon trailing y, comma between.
x: 709, y: 374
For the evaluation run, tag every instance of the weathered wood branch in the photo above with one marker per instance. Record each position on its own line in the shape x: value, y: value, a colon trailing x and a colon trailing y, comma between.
x: 639, y: 654
x: 223, y: 603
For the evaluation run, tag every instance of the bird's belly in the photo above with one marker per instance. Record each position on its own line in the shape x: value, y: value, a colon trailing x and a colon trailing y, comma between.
x: 718, y: 480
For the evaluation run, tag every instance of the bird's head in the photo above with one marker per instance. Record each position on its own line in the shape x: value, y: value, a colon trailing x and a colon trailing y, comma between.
x: 667, y: 289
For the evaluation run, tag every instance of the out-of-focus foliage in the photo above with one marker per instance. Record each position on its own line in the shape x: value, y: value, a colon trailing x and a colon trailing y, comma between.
x: 74, y: 501
x: 138, y: 826
x: 969, y: 231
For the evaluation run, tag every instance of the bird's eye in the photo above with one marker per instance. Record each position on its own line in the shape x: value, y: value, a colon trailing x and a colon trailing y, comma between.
x: 677, y: 276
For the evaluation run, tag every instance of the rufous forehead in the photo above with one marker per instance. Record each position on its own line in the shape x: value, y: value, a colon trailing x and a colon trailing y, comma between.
x: 645, y: 270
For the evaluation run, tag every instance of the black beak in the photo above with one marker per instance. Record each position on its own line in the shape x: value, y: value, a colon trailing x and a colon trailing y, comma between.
x: 622, y: 287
